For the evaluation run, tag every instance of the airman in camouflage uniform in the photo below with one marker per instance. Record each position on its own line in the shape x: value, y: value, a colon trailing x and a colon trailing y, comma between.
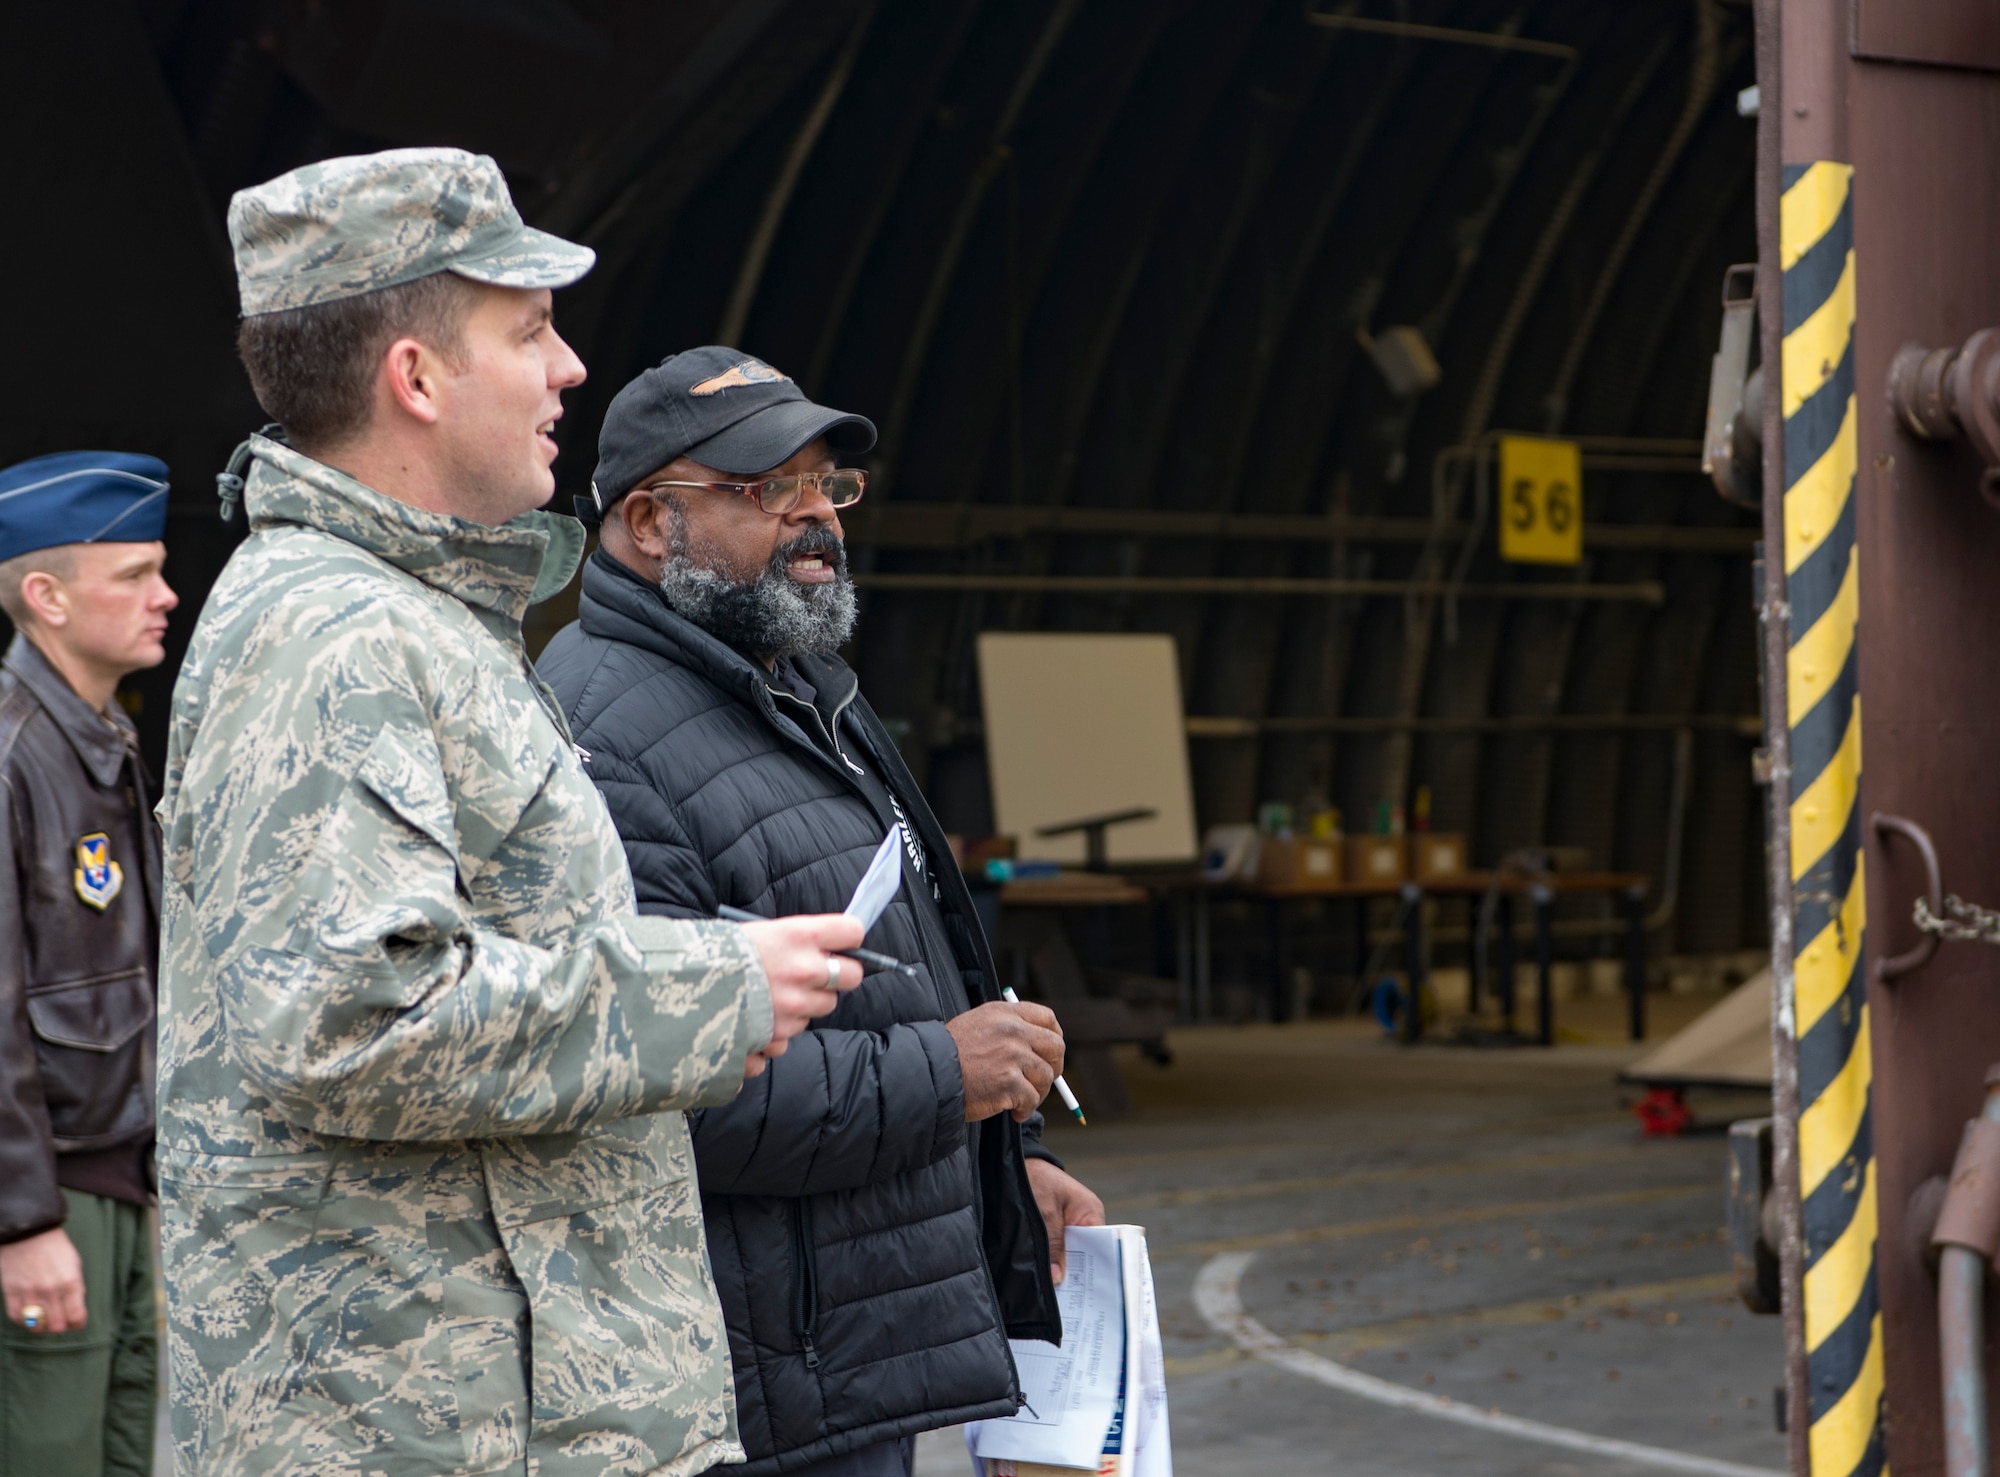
x: 424, y: 1172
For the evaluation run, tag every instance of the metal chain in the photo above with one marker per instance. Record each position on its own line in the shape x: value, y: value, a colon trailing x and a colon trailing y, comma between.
x: 1963, y: 922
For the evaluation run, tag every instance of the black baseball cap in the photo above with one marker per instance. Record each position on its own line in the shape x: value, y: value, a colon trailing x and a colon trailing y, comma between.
x: 724, y: 408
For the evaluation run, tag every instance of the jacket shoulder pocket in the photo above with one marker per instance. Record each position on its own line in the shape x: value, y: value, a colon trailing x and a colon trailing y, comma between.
x: 99, y: 1014
x: 404, y: 770
x: 517, y: 753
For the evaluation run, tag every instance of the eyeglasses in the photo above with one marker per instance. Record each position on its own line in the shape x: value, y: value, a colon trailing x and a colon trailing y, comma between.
x: 779, y: 495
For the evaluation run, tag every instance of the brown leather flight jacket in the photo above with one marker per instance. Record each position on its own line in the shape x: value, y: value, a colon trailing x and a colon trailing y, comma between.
x: 79, y: 940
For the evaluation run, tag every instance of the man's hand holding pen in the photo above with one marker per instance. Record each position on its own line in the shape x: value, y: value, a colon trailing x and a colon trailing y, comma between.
x: 1008, y: 1056
x: 801, y: 961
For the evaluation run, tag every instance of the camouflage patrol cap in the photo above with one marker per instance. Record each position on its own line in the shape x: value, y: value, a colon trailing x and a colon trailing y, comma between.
x: 343, y: 227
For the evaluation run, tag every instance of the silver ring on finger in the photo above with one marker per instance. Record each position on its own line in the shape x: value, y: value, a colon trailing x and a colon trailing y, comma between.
x: 832, y: 972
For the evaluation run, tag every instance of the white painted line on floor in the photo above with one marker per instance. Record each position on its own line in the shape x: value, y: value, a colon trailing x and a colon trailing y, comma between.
x: 1218, y: 1297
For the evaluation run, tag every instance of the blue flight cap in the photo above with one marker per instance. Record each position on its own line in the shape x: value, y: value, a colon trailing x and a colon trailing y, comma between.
x: 82, y: 497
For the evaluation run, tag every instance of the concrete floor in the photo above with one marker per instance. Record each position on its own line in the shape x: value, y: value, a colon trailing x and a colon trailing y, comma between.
x: 1487, y: 1225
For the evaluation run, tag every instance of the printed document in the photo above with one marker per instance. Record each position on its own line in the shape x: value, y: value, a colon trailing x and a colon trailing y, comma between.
x: 1072, y: 1391
x: 1083, y: 1416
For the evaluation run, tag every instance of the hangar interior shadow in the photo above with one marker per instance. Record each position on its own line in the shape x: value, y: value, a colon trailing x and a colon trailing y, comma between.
x: 1103, y: 273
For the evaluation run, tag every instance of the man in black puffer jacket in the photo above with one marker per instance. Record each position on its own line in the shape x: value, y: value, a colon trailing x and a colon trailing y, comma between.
x: 880, y: 1212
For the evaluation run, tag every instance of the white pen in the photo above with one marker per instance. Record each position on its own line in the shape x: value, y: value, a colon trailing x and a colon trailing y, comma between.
x: 1062, y: 1087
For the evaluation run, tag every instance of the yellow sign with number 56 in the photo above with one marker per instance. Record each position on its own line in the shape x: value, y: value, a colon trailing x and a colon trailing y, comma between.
x: 1541, y: 500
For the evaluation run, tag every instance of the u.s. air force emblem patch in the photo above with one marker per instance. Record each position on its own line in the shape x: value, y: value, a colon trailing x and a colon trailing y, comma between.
x: 98, y: 878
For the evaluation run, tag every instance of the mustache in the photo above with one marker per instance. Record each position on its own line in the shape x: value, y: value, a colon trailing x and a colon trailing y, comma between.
x: 818, y: 540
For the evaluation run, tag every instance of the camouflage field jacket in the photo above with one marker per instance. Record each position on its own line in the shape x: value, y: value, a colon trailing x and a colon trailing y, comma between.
x: 425, y: 1180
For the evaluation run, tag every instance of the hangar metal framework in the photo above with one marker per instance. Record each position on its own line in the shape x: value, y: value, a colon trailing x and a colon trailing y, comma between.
x: 1104, y: 272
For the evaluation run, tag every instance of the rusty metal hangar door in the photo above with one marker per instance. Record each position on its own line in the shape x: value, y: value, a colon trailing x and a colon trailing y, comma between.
x: 1879, y: 243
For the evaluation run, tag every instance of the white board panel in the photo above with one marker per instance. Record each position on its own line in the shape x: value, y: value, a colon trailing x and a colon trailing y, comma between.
x: 1081, y: 724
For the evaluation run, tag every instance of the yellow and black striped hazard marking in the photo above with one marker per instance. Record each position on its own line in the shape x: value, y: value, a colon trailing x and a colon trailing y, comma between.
x: 1836, y: 1155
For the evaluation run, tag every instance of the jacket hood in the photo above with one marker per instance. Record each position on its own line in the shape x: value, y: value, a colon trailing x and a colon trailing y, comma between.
x: 619, y: 604
x: 505, y: 569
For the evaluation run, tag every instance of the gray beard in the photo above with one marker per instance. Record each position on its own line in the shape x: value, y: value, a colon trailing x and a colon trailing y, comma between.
x: 772, y: 615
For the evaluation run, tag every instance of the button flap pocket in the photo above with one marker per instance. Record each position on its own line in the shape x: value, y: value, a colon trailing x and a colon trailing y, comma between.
x: 99, y: 1014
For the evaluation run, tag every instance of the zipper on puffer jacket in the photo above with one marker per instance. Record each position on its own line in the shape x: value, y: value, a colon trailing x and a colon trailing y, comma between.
x: 830, y: 734
x: 808, y: 1312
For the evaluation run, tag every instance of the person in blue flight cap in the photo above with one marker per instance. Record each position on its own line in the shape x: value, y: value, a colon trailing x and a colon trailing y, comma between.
x: 80, y: 578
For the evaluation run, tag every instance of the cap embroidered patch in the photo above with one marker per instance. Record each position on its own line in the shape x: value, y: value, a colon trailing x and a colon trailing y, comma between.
x: 749, y: 372
x: 98, y: 878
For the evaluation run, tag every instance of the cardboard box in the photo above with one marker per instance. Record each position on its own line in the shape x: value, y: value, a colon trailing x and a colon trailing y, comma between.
x: 1380, y: 859
x: 1298, y: 861
x: 1437, y: 854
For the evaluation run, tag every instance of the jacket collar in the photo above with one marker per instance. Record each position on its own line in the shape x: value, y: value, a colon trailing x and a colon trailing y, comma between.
x: 504, y: 569
x: 101, y: 740
x: 621, y: 605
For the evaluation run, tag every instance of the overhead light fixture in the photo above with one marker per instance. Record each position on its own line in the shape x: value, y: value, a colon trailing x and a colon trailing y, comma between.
x: 1405, y: 360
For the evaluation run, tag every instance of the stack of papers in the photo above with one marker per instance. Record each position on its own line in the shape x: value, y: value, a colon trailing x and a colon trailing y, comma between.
x: 1099, y: 1402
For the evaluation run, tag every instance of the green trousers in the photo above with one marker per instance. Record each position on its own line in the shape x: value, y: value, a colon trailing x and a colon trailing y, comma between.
x: 85, y: 1403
